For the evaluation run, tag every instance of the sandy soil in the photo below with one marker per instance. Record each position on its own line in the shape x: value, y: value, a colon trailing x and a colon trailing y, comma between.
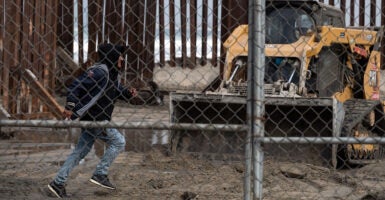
x: 152, y: 175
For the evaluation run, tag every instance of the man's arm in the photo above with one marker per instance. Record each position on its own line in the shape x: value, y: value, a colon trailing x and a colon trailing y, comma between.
x: 73, y: 94
x: 82, y: 90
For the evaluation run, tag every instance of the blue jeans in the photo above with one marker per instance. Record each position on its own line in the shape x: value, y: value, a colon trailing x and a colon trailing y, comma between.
x: 111, y: 136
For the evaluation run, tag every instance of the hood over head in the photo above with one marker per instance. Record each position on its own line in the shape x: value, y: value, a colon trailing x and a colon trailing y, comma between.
x: 109, y: 55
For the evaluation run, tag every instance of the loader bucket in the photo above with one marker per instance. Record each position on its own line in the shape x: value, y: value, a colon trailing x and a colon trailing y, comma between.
x: 284, y: 117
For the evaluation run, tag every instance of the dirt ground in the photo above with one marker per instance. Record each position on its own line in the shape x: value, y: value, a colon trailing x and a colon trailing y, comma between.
x: 154, y: 176
x: 29, y: 163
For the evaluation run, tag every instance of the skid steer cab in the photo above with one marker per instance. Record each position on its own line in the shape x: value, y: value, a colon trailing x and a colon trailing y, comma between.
x: 321, y: 80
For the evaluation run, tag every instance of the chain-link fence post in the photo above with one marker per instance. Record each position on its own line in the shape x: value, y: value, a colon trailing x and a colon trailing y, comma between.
x: 255, y: 97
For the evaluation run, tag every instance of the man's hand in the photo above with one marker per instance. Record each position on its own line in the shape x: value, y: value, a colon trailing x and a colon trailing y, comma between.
x: 134, y: 93
x: 67, y: 114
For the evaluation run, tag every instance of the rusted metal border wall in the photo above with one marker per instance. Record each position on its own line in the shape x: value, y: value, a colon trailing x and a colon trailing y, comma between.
x: 29, y: 42
x: 139, y: 33
x: 131, y: 29
x: 65, y: 25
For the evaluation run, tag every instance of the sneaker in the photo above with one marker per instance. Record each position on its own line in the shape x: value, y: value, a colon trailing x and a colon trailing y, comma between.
x: 103, y: 181
x: 58, y: 190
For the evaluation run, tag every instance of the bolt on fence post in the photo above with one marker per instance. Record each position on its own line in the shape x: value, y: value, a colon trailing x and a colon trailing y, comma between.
x: 255, y: 98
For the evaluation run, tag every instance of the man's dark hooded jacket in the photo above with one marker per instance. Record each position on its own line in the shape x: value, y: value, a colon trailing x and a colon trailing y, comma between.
x: 92, y: 95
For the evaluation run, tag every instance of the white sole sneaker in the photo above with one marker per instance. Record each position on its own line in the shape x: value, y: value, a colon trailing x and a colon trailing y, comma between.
x: 97, y: 183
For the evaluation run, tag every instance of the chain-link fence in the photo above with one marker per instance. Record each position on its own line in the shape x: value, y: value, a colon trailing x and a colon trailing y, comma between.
x: 235, y: 99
